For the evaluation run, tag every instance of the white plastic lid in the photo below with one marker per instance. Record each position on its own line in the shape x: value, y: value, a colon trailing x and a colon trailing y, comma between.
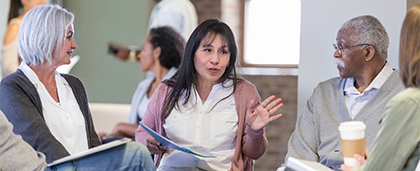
x: 352, y: 130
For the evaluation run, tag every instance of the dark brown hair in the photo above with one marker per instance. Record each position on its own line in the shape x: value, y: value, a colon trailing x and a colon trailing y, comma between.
x: 184, y: 78
x: 15, y: 6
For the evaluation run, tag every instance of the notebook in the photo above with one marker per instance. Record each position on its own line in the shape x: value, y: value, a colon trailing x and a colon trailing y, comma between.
x: 91, y: 151
x: 168, y: 143
x: 304, y: 165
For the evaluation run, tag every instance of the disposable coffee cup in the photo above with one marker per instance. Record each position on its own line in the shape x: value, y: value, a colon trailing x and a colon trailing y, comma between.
x: 353, y: 141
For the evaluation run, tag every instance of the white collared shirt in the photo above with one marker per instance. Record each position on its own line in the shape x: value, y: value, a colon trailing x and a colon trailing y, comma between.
x: 64, y: 119
x: 355, y: 100
x: 205, y: 126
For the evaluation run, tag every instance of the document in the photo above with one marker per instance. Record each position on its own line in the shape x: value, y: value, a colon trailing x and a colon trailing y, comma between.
x: 168, y: 143
x: 305, y: 165
x: 91, y: 151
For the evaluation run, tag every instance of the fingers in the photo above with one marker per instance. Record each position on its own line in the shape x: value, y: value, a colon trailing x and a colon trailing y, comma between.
x: 273, y: 103
x: 274, y: 110
x: 102, y: 134
x: 366, y: 153
x: 154, y: 146
x: 272, y: 118
x: 346, y: 168
x: 267, y: 100
x: 359, y: 158
x: 251, y: 107
x: 272, y: 106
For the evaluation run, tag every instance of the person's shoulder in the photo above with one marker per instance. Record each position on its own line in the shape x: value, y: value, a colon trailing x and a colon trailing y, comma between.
x: 163, y: 87
x: 244, y: 84
x: 330, y: 82
x: 11, y: 33
x: 71, y: 79
x: 146, y: 82
x: 409, y: 94
x: 17, y: 76
x: 395, y: 80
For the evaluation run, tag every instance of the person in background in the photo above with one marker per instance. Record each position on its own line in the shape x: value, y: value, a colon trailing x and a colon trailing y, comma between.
x: 49, y: 109
x: 18, y: 9
x: 161, y: 53
x: 206, y: 105
x: 366, y: 83
x: 16, y: 154
x: 178, y: 14
x: 396, y: 146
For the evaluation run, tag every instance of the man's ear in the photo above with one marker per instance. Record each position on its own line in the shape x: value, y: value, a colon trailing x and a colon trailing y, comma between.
x: 156, y: 52
x: 369, y: 52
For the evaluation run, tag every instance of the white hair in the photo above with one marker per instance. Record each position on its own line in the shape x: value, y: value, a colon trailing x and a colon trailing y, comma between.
x: 42, y: 33
x: 369, y: 30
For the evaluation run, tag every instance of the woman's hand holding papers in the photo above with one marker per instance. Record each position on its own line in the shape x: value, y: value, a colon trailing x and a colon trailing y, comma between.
x: 154, y: 146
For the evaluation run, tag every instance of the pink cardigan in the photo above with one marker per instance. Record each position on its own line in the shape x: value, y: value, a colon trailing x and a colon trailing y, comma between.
x: 250, y: 144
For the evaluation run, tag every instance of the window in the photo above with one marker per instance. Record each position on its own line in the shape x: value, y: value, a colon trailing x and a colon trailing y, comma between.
x: 272, y: 33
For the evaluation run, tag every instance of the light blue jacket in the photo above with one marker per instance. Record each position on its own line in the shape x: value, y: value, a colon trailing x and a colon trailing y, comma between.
x: 141, y: 91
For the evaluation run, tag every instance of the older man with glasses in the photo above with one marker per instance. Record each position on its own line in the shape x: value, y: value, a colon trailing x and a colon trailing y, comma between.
x: 365, y: 85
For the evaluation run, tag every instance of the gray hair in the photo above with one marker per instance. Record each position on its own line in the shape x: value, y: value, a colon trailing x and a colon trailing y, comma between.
x: 42, y: 33
x: 369, y: 29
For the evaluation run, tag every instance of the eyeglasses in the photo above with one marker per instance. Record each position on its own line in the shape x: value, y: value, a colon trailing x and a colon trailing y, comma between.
x: 340, y: 49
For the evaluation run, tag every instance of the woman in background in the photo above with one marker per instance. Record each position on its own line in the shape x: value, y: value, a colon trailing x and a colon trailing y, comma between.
x: 10, y: 61
x: 396, y: 146
x: 206, y: 106
x: 161, y: 53
x: 49, y: 109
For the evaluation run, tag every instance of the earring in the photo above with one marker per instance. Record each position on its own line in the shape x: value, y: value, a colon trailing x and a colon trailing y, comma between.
x: 367, y: 59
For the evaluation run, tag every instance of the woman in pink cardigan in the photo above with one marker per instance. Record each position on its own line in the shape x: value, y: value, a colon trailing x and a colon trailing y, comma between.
x: 205, y: 106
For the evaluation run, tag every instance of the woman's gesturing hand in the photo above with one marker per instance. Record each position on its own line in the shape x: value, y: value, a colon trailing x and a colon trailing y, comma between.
x: 257, y: 117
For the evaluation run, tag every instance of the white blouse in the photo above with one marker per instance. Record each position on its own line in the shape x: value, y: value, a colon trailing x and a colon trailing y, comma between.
x: 64, y: 119
x: 205, y: 127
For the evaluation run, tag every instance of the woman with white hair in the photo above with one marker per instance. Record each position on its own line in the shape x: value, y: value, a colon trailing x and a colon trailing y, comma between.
x: 48, y: 109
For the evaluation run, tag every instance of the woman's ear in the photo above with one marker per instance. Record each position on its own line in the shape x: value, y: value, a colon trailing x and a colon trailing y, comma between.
x: 156, y: 52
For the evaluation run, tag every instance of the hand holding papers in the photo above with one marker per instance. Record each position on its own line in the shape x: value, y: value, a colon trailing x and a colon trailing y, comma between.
x: 168, y: 143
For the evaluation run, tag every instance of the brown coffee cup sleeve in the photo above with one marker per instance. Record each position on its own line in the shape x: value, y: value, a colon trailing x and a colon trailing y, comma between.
x: 351, y: 147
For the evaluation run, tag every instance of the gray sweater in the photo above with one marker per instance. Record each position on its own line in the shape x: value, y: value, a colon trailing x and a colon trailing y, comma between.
x: 16, y: 154
x: 21, y: 104
x: 316, y: 136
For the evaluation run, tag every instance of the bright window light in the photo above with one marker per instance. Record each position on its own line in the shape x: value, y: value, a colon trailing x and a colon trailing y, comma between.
x: 272, y: 32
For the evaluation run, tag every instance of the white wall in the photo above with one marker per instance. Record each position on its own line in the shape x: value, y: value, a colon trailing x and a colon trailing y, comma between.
x: 4, y: 11
x: 321, y: 19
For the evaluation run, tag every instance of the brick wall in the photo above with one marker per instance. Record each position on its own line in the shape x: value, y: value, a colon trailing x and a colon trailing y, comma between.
x: 278, y: 131
x: 207, y: 9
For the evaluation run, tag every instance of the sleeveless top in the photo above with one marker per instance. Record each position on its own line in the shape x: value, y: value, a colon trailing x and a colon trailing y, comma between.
x: 10, y: 60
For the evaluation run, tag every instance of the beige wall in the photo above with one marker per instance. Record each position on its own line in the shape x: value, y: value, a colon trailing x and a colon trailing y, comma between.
x: 106, y: 79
